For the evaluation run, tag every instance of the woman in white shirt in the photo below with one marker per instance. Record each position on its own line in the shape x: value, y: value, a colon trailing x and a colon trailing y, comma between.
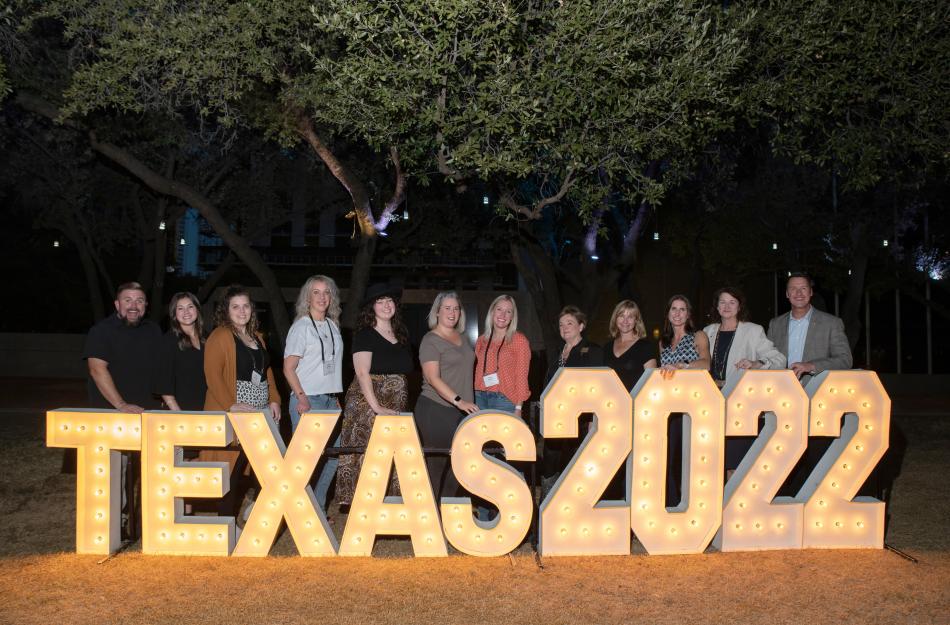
x: 313, y: 361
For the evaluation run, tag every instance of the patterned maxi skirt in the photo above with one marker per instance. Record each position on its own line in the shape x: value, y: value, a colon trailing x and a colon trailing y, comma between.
x: 358, y: 417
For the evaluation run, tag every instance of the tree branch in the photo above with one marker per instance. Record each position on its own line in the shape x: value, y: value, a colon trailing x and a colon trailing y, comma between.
x: 534, y: 212
x: 361, y: 208
x: 399, y: 192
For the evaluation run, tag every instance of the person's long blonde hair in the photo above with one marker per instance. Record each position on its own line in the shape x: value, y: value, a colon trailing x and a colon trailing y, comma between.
x: 489, y: 321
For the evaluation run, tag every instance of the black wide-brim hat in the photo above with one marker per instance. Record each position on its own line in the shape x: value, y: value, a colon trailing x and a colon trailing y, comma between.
x: 380, y: 290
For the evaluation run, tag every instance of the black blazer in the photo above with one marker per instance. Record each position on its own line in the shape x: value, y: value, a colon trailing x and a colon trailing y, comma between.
x: 584, y: 354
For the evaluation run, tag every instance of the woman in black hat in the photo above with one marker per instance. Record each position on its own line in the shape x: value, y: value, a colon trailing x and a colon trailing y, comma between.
x: 381, y: 360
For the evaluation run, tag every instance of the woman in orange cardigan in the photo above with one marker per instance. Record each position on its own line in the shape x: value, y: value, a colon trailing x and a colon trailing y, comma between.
x: 239, y: 373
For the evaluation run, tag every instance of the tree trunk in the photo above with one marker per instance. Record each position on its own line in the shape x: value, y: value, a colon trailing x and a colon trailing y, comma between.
x: 212, y: 215
x: 161, y: 252
x: 362, y: 212
x: 147, y: 235
x: 851, y: 309
x: 212, y: 281
x: 93, y: 286
x: 359, y: 280
x: 540, y: 276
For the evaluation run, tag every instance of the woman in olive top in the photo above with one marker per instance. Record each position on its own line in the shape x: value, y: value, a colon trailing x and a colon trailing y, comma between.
x: 448, y: 363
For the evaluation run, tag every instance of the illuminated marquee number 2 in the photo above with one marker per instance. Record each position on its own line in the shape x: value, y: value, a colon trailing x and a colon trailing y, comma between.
x: 572, y: 520
x: 752, y: 517
x: 834, y: 517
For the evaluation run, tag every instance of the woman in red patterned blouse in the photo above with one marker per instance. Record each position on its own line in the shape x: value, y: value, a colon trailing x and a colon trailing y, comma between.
x: 502, y: 358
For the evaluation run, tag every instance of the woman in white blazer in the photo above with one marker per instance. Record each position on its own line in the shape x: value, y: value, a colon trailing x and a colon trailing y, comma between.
x: 734, y: 345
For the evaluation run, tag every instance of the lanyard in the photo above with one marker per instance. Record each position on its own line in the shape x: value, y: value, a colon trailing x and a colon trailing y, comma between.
x: 497, y: 353
x: 320, y: 338
x: 253, y: 354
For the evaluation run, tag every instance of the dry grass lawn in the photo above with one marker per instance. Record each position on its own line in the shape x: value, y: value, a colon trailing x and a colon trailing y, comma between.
x: 43, y: 582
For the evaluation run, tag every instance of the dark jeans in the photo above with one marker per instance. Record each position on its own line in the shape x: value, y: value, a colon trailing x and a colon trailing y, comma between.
x: 437, y: 425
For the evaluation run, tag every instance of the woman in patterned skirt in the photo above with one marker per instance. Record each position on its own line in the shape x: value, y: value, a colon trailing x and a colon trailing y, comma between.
x: 681, y: 347
x: 381, y: 360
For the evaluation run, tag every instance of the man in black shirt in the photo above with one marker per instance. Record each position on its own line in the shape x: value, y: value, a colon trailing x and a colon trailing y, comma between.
x: 120, y: 351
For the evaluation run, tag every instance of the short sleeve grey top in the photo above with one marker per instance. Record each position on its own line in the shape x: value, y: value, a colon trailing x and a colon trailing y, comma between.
x: 456, y: 366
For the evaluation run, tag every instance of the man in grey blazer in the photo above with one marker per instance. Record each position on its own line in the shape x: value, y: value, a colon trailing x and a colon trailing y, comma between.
x: 813, y: 341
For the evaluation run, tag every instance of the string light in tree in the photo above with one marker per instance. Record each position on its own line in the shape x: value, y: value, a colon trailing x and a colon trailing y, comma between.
x: 97, y: 436
x: 165, y: 481
x: 689, y: 527
x: 752, y: 517
x: 394, y: 442
x: 573, y: 519
x: 834, y: 517
x: 492, y: 480
x: 284, y: 474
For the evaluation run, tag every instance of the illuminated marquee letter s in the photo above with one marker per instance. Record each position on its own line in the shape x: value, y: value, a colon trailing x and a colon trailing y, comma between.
x: 492, y: 480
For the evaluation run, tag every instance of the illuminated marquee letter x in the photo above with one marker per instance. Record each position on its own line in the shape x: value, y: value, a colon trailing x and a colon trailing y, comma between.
x: 284, y: 475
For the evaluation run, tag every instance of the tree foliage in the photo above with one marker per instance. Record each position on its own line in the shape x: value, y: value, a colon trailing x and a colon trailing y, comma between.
x: 570, y: 93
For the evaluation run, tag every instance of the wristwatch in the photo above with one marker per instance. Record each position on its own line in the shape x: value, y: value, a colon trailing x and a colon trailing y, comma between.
x: 457, y: 399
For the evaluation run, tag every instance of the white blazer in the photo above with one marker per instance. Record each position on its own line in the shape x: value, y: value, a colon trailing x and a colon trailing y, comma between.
x: 749, y: 342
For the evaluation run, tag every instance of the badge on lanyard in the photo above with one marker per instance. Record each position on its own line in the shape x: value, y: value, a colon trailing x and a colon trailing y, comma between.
x: 255, y: 377
x: 328, y: 365
x: 491, y: 379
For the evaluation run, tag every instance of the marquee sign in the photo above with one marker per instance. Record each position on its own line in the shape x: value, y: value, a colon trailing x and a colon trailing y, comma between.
x: 628, y: 433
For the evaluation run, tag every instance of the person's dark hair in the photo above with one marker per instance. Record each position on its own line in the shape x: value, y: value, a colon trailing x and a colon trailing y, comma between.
x: 575, y: 312
x: 743, y: 312
x: 800, y: 274
x: 130, y: 286
x: 666, y: 338
x: 184, y: 341
x: 367, y: 319
x: 221, y: 318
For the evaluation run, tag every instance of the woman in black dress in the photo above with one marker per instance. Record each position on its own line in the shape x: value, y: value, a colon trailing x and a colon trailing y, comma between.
x: 576, y: 351
x: 629, y: 353
x: 180, y: 371
x: 180, y: 375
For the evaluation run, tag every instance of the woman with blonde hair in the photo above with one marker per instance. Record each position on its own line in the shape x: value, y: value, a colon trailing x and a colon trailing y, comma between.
x: 448, y: 363
x: 503, y: 356
x: 313, y: 362
x: 630, y: 352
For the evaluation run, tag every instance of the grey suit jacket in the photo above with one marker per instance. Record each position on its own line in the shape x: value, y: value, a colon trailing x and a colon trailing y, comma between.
x: 826, y: 345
